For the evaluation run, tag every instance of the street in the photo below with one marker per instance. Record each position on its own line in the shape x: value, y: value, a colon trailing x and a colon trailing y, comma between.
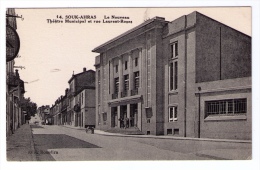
x: 60, y: 143
x: 129, y: 87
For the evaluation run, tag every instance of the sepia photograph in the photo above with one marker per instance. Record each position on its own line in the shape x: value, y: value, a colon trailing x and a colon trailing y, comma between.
x: 128, y: 84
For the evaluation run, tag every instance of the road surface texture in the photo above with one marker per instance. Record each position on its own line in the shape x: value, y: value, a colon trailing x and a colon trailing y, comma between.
x: 20, y: 146
x: 60, y: 143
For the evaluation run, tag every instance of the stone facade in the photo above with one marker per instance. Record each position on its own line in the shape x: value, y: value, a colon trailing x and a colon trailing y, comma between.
x: 77, y: 106
x: 190, y: 77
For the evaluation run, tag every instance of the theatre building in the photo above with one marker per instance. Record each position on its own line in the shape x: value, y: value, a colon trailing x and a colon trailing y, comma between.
x: 190, y: 77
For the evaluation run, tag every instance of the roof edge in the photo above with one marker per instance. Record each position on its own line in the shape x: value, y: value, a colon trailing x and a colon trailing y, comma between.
x: 161, y: 19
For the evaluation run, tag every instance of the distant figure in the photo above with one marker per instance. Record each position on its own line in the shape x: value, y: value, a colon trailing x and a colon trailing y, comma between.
x: 121, y: 123
x: 127, y: 122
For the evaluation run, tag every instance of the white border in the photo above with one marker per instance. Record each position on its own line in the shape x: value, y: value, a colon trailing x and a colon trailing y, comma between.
x: 212, y: 165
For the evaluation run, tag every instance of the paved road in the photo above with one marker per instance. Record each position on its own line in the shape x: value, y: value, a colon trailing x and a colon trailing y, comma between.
x: 65, y: 144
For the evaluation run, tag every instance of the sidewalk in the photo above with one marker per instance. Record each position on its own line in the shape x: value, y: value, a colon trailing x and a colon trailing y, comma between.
x: 100, y: 132
x: 20, y: 146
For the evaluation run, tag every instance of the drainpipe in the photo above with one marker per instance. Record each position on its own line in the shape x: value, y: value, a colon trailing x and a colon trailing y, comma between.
x: 199, y: 88
x: 185, y: 79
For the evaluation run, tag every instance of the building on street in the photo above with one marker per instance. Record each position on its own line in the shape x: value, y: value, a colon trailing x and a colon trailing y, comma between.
x: 44, y: 114
x: 85, y: 105
x: 77, y: 106
x: 81, y: 98
x: 57, y: 111
x: 64, y: 105
x: 15, y: 89
x: 190, y: 77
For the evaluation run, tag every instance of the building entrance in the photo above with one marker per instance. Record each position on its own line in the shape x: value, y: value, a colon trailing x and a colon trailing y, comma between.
x: 123, y: 117
x: 133, y: 115
x: 114, y: 117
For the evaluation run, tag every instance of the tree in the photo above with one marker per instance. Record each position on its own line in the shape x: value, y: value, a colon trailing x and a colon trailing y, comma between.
x: 29, y: 106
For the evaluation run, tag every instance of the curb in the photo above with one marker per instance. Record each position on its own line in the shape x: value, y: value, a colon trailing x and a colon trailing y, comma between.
x: 166, y: 137
x: 71, y: 127
x: 178, y: 138
x: 34, y: 158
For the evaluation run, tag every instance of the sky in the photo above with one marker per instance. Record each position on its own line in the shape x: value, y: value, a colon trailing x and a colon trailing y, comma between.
x: 51, y: 53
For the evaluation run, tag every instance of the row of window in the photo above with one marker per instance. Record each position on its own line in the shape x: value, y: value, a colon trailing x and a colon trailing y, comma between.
x: 173, y: 72
x: 228, y: 107
x: 126, y: 82
x: 174, y: 54
x: 126, y: 65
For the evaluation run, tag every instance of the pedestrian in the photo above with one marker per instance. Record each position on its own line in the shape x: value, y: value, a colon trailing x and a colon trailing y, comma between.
x: 87, y: 129
x: 122, y: 123
x: 127, y: 122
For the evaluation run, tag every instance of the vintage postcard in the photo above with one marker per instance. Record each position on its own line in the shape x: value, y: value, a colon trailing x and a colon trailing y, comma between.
x: 128, y: 84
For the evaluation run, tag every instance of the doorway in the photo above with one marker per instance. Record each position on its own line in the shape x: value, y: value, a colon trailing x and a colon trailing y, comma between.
x: 133, y: 115
x: 114, y: 116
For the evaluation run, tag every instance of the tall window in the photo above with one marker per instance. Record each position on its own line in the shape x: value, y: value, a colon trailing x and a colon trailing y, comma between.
x: 116, y: 85
x: 105, y: 116
x: 136, y: 62
x: 82, y: 98
x: 136, y: 79
x: 116, y: 68
x: 227, y: 107
x: 174, y: 50
x: 173, y: 76
x: 126, y: 82
x: 126, y: 65
x: 173, y: 113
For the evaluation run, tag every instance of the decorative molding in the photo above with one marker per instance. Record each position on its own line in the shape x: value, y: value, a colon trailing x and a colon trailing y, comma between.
x: 125, y: 100
x: 224, y: 89
x: 225, y: 118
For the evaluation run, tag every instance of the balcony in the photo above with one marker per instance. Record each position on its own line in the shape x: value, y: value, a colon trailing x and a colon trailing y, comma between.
x: 124, y: 93
x: 12, y: 79
x: 115, y: 96
x: 134, y: 92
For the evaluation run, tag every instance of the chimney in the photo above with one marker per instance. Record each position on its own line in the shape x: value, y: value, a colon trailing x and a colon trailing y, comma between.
x: 16, y: 73
x: 84, y: 69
